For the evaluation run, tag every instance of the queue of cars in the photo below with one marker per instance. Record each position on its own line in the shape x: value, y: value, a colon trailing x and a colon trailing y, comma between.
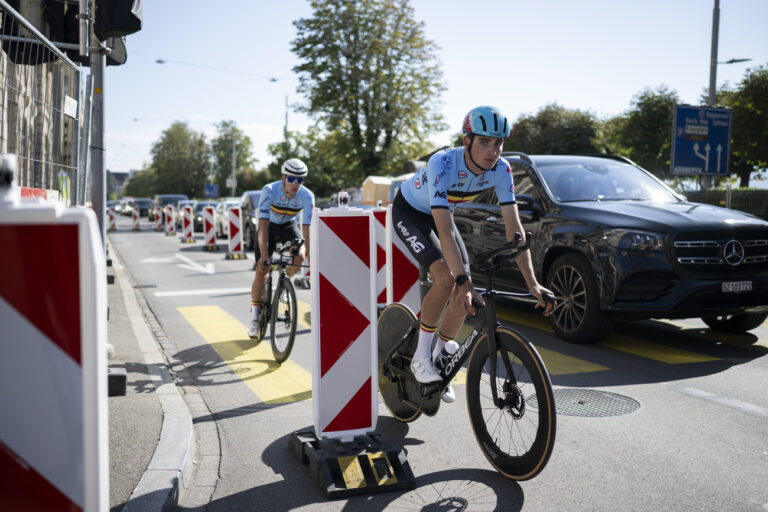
x: 612, y: 241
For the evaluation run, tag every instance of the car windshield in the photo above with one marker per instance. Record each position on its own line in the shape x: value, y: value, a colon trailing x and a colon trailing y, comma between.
x: 199, y: 207
x: 142, y: 202
x: 602, y: 181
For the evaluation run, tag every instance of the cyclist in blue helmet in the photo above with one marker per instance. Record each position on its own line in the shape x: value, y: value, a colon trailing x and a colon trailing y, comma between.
x: 422, y: 213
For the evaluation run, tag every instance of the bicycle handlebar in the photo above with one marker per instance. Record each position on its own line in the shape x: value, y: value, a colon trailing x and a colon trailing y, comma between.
x: 506, y: 252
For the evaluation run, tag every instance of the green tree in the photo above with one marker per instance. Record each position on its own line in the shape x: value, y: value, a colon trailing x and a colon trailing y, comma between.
x: 180, y: 161
x: 554, y: 130
x: 749, y: 130
x: 143, y: 184
x: 221, y: 148
x: 644, y: 133
x: 371, y: 77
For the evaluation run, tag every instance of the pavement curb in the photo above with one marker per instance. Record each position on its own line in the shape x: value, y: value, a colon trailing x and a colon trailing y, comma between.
x: 170, y: 469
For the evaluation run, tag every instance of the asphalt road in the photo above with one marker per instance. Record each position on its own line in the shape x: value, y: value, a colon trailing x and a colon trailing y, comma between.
x: 659, y: 416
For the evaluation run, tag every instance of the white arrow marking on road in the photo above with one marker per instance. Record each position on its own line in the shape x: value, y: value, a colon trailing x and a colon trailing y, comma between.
x: 188, y: 263
x: 197, y: 267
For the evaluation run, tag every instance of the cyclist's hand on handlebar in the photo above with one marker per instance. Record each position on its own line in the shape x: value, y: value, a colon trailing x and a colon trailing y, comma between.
x: 546, y: 299
x: 264, y: 262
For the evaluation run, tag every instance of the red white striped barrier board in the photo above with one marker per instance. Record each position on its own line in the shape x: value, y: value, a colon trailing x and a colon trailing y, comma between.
x: 235, y: 234
x: 53, y: 361
x: 170, y: 224
x: 158, y: 218
x: 380, y: 232
x: 402, y: 271
x: 111, y: 215
x: 188, y: 225
x: 345, y: 375
x: 209, y: 229
x: 135, y: 218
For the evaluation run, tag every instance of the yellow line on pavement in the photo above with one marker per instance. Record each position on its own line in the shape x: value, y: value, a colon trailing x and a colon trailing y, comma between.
x: 271, y: 382
x: 635, y: 346
x: 562, y: 364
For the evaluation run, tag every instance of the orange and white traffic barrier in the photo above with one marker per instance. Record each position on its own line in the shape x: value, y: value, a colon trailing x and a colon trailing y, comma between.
x: 170, y: 224
x: 188, y: 225
x: 111, y: 215
x: 209, y: 229
x: 380, y: 233
x: 345, y: 374
x: 235, y: 234
x: 135, y: 217
x: 54, y: 436
x: 402, y: 271
x: 158, y: 218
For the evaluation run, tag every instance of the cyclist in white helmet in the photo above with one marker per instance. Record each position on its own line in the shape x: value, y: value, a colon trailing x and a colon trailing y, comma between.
x: 279, y: 208
x: 422, y: 213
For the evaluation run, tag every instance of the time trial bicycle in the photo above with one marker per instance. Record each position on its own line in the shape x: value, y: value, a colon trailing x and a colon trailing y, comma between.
x: 509, y: 392
x: 279, y: 310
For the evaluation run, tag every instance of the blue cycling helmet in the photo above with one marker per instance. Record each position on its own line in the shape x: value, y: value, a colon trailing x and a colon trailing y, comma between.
x: 487, y: 121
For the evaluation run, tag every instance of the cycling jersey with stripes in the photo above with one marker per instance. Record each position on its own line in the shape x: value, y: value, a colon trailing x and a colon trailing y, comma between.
x: 446, y: 181
x: 275, y: 206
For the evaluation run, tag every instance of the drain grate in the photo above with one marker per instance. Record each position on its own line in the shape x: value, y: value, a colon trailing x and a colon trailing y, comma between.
x: 590, y: 403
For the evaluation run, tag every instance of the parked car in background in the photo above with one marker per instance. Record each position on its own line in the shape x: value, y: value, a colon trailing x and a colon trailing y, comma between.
x: 197, y: 214
x: 163, y: 200
x: 143, y: 203
x: 249, y: 210
x: 221, y: 215
x: 613, y: 241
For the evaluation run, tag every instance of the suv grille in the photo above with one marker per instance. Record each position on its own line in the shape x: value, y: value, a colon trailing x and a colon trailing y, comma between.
x: 713, y: 252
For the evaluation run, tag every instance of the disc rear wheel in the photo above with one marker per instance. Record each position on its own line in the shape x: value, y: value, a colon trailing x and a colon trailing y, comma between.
x: 395, y: 321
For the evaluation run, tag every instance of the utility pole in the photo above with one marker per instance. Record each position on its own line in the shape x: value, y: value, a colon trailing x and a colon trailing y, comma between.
x: 98, y: 178
x: 234, y: 162
x: 706, y: 181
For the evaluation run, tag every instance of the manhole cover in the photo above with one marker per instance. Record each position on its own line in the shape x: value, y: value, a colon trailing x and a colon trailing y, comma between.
x: 590, y: 403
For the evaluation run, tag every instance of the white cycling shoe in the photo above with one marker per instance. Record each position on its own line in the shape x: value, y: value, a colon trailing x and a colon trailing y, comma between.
x: 448, y: 395
x: 424, y: 371
x: 253, y: 330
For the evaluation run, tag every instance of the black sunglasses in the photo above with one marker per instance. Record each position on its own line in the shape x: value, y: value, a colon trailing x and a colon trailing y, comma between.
x: 292, y: 179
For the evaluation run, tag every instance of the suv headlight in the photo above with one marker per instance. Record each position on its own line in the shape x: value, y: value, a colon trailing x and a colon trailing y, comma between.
x: 634, y: 240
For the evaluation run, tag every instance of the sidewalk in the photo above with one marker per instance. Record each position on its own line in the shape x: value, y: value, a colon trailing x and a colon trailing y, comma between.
x: 151, y: 439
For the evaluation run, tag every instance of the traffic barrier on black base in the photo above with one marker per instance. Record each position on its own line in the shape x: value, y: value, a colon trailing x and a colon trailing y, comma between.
x: 209, y: 229
x: 380, y: 234
x: 345, y: 454
x: 53, y: 428
x: 235, y: 234
x: 158, y: 218
x: 111, y: 219
x: 135, y: 218
x: 170, y: 223
x: 188, y: 232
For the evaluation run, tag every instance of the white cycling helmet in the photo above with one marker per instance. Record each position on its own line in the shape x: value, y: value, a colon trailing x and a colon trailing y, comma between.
x: 294, y: 167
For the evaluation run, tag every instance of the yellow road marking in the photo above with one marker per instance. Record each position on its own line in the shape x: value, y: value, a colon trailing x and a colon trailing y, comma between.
x: 271, y: 382
x: 562, y: 364
x: 635, y: 346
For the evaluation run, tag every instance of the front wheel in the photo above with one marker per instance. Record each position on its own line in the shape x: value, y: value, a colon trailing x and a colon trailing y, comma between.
x: 283, y: 324
x: 740, y: 323
x: 516, y: 438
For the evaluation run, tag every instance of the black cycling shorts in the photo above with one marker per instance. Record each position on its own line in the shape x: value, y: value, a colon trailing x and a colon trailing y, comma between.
x: 418, y: 232
x: 279, y: 233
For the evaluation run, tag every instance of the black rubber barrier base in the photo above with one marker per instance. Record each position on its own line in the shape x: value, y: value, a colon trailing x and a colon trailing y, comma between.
x: 365, y: 465
x: 236, y: 256
x: 211, y: 247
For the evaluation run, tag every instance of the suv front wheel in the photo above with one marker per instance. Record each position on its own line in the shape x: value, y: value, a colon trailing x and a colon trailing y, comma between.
x: 735, y: 323
x: 577, y: 317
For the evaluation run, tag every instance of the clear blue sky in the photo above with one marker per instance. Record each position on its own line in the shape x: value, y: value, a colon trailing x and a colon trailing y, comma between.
x: 591, y: 55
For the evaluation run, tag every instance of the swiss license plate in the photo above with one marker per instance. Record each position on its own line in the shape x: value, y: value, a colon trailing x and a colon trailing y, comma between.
x: 737, y: 286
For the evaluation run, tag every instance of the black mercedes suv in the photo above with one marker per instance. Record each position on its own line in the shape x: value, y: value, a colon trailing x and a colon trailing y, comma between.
x: 613, y: 241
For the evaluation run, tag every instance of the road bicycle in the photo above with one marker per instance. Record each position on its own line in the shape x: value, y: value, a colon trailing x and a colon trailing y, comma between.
x: 278, y: 310
x: 509, y: 392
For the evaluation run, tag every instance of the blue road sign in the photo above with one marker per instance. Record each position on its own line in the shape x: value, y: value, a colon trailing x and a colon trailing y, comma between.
x: 211, y: 190
x: 701, y: 141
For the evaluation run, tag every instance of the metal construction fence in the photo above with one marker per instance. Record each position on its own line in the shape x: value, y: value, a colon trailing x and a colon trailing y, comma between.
x: 750, y: 201
x: 41, y: 107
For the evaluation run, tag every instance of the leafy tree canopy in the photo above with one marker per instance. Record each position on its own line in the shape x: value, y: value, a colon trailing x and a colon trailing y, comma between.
x: 371, y: 77
x: 554, y: 130
x: 180, y: 161
x: 222, y: 149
